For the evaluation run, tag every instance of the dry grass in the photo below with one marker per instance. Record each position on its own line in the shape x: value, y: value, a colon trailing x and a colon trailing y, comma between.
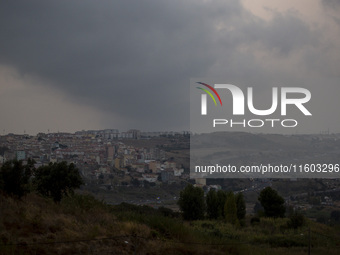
x: 83, y: 225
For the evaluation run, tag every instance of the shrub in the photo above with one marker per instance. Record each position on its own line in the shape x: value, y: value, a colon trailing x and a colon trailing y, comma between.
x: 296, y: 220
x: 254, y: 220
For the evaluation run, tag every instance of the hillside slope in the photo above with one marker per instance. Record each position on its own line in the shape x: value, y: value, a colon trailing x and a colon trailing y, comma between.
x: 83, y: 225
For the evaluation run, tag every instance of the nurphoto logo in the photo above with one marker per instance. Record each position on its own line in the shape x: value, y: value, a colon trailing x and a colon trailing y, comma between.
x: 286, y: 95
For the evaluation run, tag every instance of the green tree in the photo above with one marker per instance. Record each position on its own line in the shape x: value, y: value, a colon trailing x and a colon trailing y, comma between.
x: 191, y: 202
x: 221, y: 198
x: 15, y: 177
x: 57, y: 180
x: 230, y: 209
x: 212, y: 204
x: 272, y: 202
x: 241, y: 206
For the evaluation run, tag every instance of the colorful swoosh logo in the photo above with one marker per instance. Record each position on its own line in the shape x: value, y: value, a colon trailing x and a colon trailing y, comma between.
x: 209, y: 93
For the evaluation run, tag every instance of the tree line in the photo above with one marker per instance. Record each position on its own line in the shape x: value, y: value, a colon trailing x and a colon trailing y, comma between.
x: 55, y: 180
x: 226, y: 205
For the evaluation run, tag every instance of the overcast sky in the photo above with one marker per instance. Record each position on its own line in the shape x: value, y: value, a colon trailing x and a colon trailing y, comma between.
x: 72, y: 65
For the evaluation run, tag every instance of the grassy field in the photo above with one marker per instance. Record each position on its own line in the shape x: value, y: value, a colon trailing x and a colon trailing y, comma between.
x: 84, y: 225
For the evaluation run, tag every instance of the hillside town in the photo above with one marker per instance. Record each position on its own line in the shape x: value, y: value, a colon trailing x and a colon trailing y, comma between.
x: 103, y: 157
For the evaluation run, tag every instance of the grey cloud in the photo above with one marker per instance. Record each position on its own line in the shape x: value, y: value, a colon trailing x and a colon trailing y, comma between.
x: 135, y: 58
x: 331, y: 3
x: 332, y: 8
x: 130, y: 57
x: 287, y: 33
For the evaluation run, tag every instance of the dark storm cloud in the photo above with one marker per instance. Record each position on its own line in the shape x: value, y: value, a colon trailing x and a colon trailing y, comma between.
x: 135, y: 58
x: 285, y: 34
x: 331, y: 3
x: 332, y: 9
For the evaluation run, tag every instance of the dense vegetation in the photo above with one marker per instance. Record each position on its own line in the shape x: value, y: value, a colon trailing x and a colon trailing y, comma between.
x: 80, y: 224
x: 54, y: 180
x: 31, y: 222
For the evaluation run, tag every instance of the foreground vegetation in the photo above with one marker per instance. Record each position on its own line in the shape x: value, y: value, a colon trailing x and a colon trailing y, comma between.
x: 80, y: 224
x: 41, y: 214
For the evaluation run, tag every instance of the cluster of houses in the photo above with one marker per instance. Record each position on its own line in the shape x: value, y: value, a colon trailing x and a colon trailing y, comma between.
x: 99, y: 155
